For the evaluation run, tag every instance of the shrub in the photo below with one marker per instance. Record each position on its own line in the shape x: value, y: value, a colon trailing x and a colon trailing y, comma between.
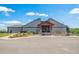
x: 74, y: 31
x: 21, y: 35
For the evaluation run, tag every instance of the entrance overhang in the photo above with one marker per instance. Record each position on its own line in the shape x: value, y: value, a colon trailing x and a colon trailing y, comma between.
x: 45, y: 27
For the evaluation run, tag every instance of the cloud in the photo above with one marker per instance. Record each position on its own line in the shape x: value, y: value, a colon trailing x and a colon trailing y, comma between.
x: 30, y: 13
x: 2, y: 27
x: 6, y: 14
x: 74, y: 11
x: 43, y: 15
x: 6, y: 10
x: 13, y: 22
x: 36, y: 14
x: 5, y: 24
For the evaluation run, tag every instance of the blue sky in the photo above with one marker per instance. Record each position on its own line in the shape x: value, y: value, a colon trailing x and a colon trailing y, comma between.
x: 24, y: 13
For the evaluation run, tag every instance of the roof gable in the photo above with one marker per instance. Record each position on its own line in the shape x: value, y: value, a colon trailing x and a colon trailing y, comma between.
x: 57, y: 24
x: 33, y: 23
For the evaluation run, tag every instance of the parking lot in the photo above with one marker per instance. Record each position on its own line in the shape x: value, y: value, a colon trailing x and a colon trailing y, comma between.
x: 40, y: 45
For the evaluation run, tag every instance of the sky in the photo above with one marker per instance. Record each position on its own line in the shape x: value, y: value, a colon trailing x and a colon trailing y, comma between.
x: 20, y: 14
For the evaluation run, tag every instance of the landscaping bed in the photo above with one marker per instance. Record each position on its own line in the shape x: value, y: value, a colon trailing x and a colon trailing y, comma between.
x: 20, y: 35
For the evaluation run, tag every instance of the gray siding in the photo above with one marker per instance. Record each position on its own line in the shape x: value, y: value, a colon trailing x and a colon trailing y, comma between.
x: 31, y: 29
x: 14, y: 29
x: 59, y: 30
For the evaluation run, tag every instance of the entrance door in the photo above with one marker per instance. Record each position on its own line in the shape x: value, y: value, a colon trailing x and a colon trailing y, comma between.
x: 45, y: 28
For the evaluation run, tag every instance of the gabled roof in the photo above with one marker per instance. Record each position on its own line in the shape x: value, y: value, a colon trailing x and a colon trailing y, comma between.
x: 56, y: 21
x: 32, y: 22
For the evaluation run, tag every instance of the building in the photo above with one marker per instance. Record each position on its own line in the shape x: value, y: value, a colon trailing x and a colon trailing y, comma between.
x: 37, y: 26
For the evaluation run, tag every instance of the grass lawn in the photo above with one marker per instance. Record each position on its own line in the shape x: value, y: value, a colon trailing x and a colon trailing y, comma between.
x: 15, y: 35
x: 4, y: 34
